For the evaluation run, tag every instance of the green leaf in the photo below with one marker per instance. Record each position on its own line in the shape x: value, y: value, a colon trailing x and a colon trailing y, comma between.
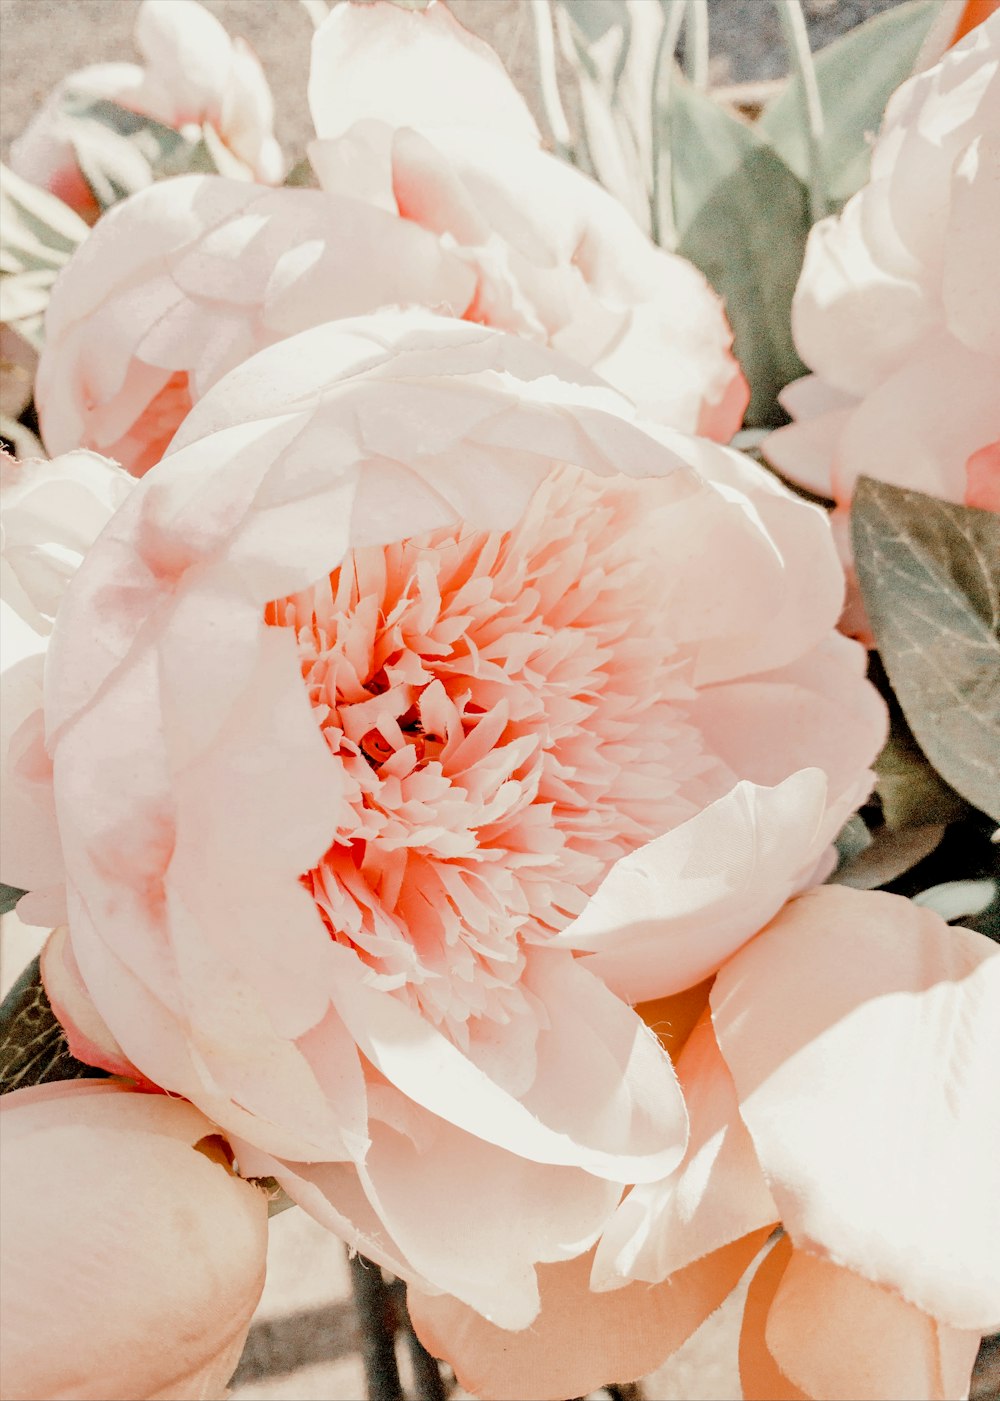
x: 854, y: 91
x: 912, y: 793
x: 9, y: 896
x: 888, y: 855
x: 742, y: 218
x: 33, y: 1047
x: 36, y: 229
x: 930, y: 579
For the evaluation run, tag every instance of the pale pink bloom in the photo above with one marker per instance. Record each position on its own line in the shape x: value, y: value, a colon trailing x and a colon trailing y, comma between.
x: 897, y: 310
x: 132, y: 1257
x: 842, y: 1086
x: 194, y: 75
x: 52, y: 514
x: 413, y: 636
x: 188, y: 279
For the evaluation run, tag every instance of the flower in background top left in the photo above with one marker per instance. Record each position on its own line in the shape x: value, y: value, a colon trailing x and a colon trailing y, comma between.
x: 195, y: 80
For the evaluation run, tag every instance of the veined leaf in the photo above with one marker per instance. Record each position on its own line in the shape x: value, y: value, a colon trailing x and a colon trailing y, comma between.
x: 856, y: 74
x: 929, y: 572
x: 33, y: 1047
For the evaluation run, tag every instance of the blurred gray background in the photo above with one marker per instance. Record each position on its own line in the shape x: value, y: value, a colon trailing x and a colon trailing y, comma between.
x: 41, y: 40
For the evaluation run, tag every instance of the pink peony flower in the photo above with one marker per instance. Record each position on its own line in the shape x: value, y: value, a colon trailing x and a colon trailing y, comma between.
x: 413, y: 638
x: 187, y: 279
x: 898, y: 305
x: 842, y: 1085
x: 133, y: 1259
x: 194, y: 76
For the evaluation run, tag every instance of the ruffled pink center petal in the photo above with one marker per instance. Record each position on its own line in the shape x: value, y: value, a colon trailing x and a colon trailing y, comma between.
x: 506, y: 733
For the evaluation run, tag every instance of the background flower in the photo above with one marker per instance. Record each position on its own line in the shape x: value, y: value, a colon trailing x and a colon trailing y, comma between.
x: 898, y: 305
x: 410, y: 638
x: 841, y: 1085
x: 187, y: 279
x: 194, y: 76
x: 132, y: 1257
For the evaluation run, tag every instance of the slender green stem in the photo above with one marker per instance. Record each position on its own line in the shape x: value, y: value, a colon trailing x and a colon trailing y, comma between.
x: 796, y: 36
x: 548, y: 83
x: 378, y: 1320
x: 662, y: 223
x: 696, y: 43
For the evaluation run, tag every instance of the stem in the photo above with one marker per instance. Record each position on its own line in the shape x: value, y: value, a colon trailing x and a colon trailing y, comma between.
x: 662, y: 224
x: 796, y: 36
x: 696, y: 43
x: 426, y: 1372
x: 548, y: 83
x: 378, y: 1319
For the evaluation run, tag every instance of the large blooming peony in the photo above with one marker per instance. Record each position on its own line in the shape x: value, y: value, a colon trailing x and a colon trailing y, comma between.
x: 897, y: 310
x: 194, y: 76
x: 413, y: 640
x: 438, y: 195
x: 842, y: 1085
x: 133, y: 1259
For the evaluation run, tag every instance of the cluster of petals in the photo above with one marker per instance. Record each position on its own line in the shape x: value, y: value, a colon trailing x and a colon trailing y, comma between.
x: 194, y: 76
x: 897, y: 310
x: 133, y: 1257
x: 420, y: 707
x: 435, y: 195
x: 840, y: 1085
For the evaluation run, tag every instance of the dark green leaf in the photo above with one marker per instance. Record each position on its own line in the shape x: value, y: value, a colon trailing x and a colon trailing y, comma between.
x: 742, y: 218
x: 33, y: 1047
x: 930, y: 578
x: 888, y: 855
x: 913, y: 794
x: 9, y: 896
x: 854, y: 90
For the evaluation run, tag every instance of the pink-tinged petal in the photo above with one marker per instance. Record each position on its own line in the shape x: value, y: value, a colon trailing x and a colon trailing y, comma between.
x: 919, y: 427
x: 105, y: 1199
x: 898, y: 1037
x: 581, y: 1339
x: 605, y: 1098
x: 971, y: 288
x: 804, y: 451
x: 805, y: 593
x: 673, y: 911
x: 760, y: 1376
x: 372, y: 63
x: 982, y: 472
x: 86, y: 1031
x: 813, y: 713
x: 188, y: 55
x: 847, y: 297
x: 836, y: 1334
x: 428, y: 1182
x: 717, y: 1195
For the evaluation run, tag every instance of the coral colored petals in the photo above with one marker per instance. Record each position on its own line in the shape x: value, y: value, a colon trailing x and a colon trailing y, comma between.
x: 760, y: 1376
x: 717, y: 1195
x: 104, y: 1198
x: 624, y: 1120
x: 835, y: 1333
x: 581, y: 1339
x: 900, y: 1030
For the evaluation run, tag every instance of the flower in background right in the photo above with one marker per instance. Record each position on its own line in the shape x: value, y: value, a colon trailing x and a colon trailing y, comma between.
x: 897, y: 309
